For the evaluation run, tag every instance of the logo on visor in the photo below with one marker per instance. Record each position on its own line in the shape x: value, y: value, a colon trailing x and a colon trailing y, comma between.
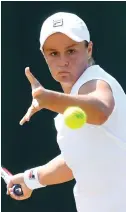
x: 57, y: 23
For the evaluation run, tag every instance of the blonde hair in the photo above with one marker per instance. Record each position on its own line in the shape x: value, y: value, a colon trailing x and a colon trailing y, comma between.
x: 91, y: 61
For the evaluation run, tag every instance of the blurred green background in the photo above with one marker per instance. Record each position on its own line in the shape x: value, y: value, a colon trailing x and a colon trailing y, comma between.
x: 35, y: 143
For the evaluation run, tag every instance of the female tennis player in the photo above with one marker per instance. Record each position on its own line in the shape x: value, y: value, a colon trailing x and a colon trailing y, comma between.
x: 95, y: 155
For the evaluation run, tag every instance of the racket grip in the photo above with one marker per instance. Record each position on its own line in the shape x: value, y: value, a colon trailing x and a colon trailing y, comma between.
x: 17, y: 190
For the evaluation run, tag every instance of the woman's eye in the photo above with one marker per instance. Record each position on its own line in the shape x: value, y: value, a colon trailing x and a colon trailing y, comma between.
x: 53, y: 54
x: 71, y: 51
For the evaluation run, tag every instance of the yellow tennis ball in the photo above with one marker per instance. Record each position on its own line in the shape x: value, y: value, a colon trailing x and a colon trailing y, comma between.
x: 74, y: 117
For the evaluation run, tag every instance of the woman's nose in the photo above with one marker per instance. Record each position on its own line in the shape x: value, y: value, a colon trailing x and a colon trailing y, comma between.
x: 63, y: 62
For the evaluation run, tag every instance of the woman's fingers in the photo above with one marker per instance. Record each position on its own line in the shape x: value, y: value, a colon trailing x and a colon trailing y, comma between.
x: 33, y: 81
x: 31, y: 110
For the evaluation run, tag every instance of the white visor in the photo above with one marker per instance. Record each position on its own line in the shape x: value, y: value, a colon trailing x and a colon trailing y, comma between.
x: 66, y: 23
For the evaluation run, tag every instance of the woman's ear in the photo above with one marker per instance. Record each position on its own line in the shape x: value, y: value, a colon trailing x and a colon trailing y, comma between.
x: 90, y: 47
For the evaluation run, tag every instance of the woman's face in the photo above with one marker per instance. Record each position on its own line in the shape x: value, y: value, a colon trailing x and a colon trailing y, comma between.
x: 66, y: 58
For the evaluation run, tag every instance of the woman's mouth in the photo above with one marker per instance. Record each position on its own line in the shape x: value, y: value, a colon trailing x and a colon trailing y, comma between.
x: 63, y: 72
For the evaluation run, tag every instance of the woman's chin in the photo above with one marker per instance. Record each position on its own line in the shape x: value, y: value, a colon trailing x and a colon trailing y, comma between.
x: 64, y: 79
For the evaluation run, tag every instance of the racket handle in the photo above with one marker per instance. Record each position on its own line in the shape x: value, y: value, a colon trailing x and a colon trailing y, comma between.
x: 17, y: 190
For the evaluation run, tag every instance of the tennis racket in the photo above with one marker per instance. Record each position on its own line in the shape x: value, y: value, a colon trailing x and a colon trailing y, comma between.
x: 5, y: 174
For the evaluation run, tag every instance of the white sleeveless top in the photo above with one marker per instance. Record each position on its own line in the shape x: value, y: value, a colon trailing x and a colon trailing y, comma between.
x: 97, y: 154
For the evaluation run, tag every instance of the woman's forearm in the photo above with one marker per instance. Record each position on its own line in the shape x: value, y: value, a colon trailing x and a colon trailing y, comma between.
x: 55, y: 172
